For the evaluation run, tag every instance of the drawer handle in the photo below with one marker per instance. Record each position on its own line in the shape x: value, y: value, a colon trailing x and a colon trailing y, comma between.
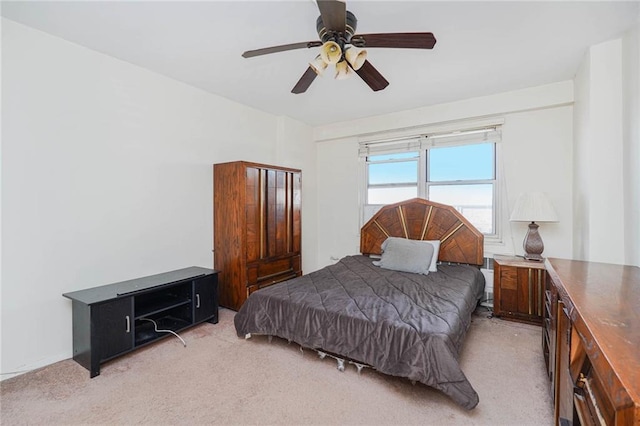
x: 197, y: 300
x: 128, y: 323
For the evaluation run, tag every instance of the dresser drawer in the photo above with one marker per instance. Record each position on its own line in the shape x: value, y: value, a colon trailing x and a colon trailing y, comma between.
x: 271, y: 271
x: 591, y: 402
x: 273, y: 280
x: 267, y: 270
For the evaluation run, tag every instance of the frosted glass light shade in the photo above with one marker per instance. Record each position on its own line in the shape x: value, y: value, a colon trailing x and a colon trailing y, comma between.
x: 331, y: 52
x: 318, y: 65
x: 355, y: 57
x: 343, y: 70
x: 533, y: 207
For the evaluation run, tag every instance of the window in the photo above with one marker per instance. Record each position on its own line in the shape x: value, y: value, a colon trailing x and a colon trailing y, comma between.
x: 464, y: 177
x: 392, y: 177
x: 458, y: 169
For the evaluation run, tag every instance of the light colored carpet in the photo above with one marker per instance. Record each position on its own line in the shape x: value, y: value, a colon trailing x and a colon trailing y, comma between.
x: 221, y: 379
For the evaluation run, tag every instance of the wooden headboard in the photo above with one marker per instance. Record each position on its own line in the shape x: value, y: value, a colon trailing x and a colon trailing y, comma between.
x: 420, y: 219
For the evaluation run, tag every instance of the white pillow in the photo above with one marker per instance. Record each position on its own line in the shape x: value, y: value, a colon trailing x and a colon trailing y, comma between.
x: 400, y: 254
x: 436, y: 252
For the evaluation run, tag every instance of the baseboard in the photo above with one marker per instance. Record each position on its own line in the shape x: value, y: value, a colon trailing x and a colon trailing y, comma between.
x: 26, y: 368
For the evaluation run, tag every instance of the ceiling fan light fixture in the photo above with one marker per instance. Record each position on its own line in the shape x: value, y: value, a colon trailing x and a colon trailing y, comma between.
x: 341, y: 46
x: 343, y: 70
x: 318, y: 65
x: 330, y: 52
x: 355, y: 57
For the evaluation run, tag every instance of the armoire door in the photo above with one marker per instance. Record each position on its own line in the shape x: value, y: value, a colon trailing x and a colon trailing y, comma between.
x: 254, y: 214
x: 272, y: 213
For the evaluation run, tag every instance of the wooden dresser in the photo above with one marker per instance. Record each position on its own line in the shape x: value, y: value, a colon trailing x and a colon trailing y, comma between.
x: 257, y: 227
x: 592, y: 332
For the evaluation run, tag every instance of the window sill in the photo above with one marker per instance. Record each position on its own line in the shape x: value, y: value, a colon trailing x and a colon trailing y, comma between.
x: 493, y: 246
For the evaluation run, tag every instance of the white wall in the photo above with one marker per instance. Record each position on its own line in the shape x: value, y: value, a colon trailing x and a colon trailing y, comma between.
x: 607, y: 153
x: 537, y: 156
x: 631, y: 142
x: 581, y: 197
x: 107, y: 176
x: 338, y: 222
x: 536, y: 151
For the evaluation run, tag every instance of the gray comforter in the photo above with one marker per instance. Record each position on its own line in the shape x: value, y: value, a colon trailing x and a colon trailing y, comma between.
x: 403, y: 324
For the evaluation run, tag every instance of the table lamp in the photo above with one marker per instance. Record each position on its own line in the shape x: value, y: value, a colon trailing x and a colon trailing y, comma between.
x: 533, y: 207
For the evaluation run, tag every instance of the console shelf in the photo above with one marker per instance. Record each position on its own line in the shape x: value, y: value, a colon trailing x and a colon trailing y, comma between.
x: 160, y: 305
x: 145, y: 330
x: 111, y: 320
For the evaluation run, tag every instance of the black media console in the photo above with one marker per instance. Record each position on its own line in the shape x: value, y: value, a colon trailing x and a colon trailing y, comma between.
x: 111, y: 320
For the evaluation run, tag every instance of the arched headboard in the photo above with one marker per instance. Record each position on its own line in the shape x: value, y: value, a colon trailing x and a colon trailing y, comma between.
x: 420, y: 219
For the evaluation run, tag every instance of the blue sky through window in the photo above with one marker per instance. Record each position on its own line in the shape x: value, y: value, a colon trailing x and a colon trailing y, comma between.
x: 467, y: 162
x: 402, y: 172
x: 451, y: 164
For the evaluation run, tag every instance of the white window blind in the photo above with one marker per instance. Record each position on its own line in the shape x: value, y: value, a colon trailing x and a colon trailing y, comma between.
x: 386, y: 147
x: 422, y: 142
x: 492, y: 134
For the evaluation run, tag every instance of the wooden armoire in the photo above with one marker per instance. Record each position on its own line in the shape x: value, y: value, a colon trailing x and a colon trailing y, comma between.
x: 257, y: 227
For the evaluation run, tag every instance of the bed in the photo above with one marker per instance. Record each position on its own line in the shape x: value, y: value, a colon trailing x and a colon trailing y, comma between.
x: 404, y: 324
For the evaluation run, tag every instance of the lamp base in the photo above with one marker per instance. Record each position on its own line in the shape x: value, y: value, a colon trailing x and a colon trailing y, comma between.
x: 532, y: 244
x: 536, y: 257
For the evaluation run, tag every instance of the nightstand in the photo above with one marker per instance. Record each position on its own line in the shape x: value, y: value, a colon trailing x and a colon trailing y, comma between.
x: 518, y: 289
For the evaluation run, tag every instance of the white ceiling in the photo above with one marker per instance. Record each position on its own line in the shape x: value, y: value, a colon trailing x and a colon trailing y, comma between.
x: 482, y: 47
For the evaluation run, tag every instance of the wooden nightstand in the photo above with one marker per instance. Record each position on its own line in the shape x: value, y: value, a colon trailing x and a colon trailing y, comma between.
x: 518, y: 289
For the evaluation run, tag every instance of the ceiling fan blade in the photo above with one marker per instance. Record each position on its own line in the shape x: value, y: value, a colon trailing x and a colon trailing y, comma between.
x: 334, y: 15
x: 305, y: 81
x: 398, y: 40
x: 281, y: 48
x: 372, y: 77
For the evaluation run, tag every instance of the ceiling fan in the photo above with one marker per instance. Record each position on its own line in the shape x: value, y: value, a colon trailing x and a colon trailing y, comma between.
x: 343, y: 48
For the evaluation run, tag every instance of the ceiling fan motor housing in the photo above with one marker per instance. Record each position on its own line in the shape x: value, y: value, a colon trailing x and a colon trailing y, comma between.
x: 325, y: 34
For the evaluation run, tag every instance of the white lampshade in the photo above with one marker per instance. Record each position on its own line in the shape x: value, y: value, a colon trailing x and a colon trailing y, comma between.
x: 533, y: 207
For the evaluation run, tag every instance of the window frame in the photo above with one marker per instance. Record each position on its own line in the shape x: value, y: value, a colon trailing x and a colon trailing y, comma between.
x: 422, y: 147
x: 419, y: 164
